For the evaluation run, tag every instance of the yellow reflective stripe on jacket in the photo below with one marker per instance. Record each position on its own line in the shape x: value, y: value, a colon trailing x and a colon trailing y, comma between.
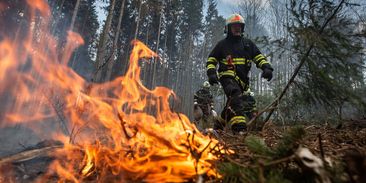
x: 237, y: 119
x: 236, y: 61
x: 212, y: 60
x: 211, y: 66
x: 262, y: 62
x: 258, y: 57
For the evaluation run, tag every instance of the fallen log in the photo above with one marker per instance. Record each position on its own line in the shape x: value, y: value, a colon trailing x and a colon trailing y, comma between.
x: 29, y: 154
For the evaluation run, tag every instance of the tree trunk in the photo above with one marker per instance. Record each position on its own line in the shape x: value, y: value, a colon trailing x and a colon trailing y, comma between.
x: 116, y: 36
x: 102, y: 44
x: 157, y: 50
x: 76, y: 9
x: 138, y: 20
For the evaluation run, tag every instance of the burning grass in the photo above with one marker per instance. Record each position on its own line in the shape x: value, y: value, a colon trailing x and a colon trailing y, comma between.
x: 120, y: 130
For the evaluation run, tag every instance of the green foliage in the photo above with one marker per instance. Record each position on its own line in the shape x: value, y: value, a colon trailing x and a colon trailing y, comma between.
x: 230, y: 171
x: 264, y: 100
x: 286, y: 146
x: 258, y: 146
x: 276, y: 176
x: 337, y: 170
x: 289, y: 142
x: 333, y: 70
x: 276, y: 173
x: 234, y: 173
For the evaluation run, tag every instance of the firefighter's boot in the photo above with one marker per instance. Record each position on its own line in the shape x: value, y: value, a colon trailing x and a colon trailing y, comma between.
x: 238, y: 124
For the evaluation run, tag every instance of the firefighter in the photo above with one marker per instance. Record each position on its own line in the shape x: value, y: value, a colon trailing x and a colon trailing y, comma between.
x: 203, y: 100
x: 234, y: 56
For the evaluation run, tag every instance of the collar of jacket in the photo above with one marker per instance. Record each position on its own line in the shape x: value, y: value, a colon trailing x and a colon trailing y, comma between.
x: 233, y: 38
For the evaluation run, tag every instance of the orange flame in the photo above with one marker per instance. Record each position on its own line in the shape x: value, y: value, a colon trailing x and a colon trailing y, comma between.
x: 2, y: 6
x: 121, y: 130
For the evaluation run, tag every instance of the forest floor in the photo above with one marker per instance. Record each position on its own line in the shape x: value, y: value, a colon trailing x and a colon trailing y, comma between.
x: 344, y: 145
x: 335, y: 140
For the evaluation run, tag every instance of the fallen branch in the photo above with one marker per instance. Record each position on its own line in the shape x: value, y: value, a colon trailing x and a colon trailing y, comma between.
x: 282, y: 160
x: 28, y: 155
x: 321, y: 147
x: 271, y: 163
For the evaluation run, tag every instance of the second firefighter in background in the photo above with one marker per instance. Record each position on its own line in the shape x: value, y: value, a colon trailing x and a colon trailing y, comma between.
x: 234, y: 56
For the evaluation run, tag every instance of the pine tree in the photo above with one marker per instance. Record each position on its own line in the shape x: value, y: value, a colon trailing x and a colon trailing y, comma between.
x: 333, y: 70
x: 171, y: 39
x: 86, y: 24
x: 213, y: 31
x: 117, y: 32
x: 104, y: 38
x: 127, y: 33
x: 190, y: 29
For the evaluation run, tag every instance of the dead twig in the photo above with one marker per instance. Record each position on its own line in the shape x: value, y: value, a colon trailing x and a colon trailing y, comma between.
x: 237, y: 163
x: 321, y: 146
x: 261, y: 172
x: 282, y: 160
x: 57, y: 110
x: 251, y: 122
x: 275, y: 162
x: 123, y: 122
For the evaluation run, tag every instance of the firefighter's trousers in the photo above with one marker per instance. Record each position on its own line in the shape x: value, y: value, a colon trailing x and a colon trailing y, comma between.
x: 240, y: 104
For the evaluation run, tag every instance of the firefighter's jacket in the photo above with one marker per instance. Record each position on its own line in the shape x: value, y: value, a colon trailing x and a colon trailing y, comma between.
x: 234, y: 55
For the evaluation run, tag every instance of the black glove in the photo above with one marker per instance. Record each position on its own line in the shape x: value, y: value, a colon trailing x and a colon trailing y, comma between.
x: 267, y: 74
x: 212, y: 77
